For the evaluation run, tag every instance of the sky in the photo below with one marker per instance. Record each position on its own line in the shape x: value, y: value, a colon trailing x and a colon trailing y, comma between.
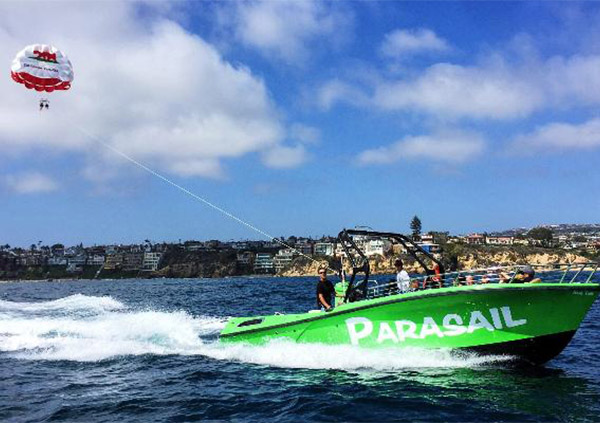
x: 300, y: 118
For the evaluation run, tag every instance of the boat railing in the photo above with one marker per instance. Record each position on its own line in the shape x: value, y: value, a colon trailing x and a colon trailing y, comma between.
x: 587, y: 272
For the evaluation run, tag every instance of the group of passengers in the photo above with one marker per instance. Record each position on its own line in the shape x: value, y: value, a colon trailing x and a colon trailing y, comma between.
x: 435, y: 279
x: 524, y: 274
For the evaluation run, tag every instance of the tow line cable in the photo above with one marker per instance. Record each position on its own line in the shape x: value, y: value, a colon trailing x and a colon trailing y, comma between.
x: 196, y: 196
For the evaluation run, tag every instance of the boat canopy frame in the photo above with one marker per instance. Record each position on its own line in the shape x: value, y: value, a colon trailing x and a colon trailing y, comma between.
x: 357, y: 290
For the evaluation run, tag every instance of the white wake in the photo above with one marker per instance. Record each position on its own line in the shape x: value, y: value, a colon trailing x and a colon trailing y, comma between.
x: 85, y: 328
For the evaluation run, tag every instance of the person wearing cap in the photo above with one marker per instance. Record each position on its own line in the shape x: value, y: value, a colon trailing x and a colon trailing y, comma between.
x: 528, y: 275
x: 525, y: 274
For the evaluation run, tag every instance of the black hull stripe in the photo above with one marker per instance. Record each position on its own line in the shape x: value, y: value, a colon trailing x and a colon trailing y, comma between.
x: 427, y: 294
x: 537, y: 350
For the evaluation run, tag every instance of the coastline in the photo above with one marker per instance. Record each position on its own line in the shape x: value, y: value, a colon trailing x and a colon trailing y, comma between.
x: 465, y: 257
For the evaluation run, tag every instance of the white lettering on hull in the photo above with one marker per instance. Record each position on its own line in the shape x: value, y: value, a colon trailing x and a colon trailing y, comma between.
x: 453, y: 329
x: 452, y: 325
x: 510, y: 323
x: 355, y: 335
x: 478, y: 321
x: 409, y: 332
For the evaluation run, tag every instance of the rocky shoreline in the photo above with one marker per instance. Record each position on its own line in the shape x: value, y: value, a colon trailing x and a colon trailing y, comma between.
x: 215, y: 265
x: 472, y: 259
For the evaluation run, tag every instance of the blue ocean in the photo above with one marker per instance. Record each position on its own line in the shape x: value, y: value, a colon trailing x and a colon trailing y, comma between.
x: 147, y: 351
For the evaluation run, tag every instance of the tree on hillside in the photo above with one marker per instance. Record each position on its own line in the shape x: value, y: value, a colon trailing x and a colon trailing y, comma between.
x: 415, y: 227
x: 544, y: 235
x: 440, y: 237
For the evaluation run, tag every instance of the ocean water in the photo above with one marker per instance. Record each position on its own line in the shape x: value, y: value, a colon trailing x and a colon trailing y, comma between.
x: 147, y: 350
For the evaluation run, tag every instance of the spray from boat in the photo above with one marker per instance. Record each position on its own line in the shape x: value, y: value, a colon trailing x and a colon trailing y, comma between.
x: 84, y: 328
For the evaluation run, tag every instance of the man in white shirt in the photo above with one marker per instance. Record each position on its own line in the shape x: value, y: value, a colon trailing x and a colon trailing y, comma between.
x: 402, y: 278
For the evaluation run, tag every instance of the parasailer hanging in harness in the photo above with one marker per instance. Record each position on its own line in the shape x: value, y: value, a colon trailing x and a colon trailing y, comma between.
x: 42, y: 68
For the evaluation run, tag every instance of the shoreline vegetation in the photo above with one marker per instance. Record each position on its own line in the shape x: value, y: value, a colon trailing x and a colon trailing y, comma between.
x: 224, y: 264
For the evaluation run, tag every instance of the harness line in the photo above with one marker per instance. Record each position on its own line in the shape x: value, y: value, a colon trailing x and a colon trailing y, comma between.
x: 193, y: 195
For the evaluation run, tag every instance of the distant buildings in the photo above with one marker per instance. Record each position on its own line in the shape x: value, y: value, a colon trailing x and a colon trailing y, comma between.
x: 475, y: 239
x: 262, y: 257
x: 151, y: 261
x: 114, y: 261
x: 323, y: 249
x: 263, y: 263
x: 245, y: 259
x: 305, y: 246
x: 499, y: 240
x: 96, y: 260
x: 375, y: 247
x: 283, y: 259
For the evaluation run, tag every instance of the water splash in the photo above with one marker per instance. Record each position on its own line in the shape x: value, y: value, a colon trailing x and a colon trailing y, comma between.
x: 72, y: 303
x: 287, y: 354
x: 84, y: 328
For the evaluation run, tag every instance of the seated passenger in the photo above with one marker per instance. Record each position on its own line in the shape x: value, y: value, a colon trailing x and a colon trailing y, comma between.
x: 470, y: 280
x: 525, y: 274
x: 436, y: 277
x: 402, y: 278
x: 491, y: 276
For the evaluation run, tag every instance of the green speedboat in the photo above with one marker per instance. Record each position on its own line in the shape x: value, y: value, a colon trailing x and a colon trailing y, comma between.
x: 487, y: 311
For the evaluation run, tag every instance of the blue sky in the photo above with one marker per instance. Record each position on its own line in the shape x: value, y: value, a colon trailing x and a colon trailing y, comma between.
x: 302, y: 117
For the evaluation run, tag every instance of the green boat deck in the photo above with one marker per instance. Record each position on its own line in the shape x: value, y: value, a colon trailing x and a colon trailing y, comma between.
x: 452, y: 317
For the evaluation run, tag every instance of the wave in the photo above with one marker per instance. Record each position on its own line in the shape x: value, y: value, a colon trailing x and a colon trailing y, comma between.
x: 288, y: 354
x: 85, y: 328
x: 71, y: 303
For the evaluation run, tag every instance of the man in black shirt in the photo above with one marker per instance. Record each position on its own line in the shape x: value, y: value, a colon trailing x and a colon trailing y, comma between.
x: 325, y: 291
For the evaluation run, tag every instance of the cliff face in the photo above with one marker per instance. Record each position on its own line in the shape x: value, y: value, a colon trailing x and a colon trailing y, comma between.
x: 468, y: 260
x: 179, y: 264
x: 471, y: 261
x: 301, y: 266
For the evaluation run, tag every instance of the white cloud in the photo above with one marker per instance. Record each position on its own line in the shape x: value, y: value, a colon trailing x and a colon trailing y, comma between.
x: 304, y: 133
x: 336, y: 91
x: 560, y: 136
x: 497, y: 87
x: 282, y: 157
x: 30, y: 183
x: 149, y: 88
x: 198, y: 167
x: 288, y: 30
x: 404, y: 42
x: 459, y: 91
x: 451, y: 147
x: 574, y: 80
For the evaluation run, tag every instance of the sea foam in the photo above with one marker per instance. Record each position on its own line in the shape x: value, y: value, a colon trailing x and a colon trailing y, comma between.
x: 86, y: 328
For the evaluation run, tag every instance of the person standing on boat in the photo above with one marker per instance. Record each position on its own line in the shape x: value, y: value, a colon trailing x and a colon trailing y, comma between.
x: 325, y: 291
x: 402, y: 278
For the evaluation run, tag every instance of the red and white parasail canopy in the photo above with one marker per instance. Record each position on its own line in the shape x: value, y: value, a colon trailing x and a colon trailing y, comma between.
x: 43, y: 68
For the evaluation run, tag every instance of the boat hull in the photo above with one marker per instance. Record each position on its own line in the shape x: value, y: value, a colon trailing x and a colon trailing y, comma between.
x: 532, y: 322
x: 534, y: 350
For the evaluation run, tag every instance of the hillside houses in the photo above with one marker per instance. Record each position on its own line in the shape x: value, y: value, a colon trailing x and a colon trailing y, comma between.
x: 249, y: 256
